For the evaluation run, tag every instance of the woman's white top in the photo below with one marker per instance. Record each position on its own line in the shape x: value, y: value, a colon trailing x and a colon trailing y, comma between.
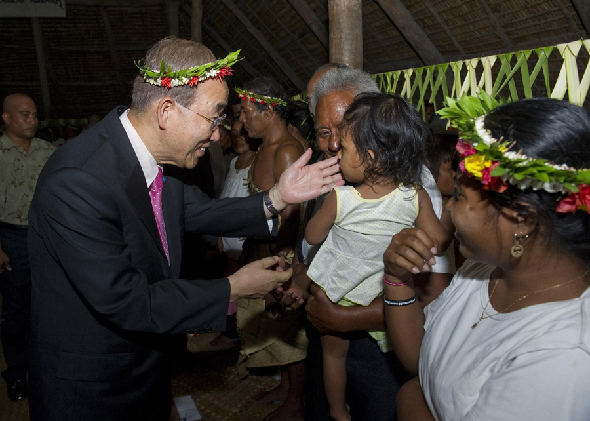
x: 234, y: 186
x: 530, y: 364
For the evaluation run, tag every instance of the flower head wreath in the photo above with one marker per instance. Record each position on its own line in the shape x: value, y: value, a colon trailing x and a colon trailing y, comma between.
x: 168, y: 78
x: 252, y: 97
x: 495, y: 164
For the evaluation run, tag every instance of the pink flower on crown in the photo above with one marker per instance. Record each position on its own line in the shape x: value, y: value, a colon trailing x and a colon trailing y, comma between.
x: 575, y: 201
x: 465, y: 149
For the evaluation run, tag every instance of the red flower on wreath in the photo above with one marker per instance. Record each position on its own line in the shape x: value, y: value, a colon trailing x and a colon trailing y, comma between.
x: 252, y: 99
x: 224, y: 71
x: 575, y: 201
x: 465, y: 149
x: 166, y: 82
x: 274, y: 104
x: 262, y: 102
x: 194, y: 80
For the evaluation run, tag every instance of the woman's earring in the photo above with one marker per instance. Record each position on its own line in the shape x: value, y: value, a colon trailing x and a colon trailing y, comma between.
x: 517, y: 249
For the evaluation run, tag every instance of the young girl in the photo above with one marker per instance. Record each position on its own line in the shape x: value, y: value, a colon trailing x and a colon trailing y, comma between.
x: 382, y: 153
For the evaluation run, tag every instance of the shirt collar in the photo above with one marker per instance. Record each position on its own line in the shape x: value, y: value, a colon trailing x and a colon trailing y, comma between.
x: 6, y: 143
x: 148, y: 164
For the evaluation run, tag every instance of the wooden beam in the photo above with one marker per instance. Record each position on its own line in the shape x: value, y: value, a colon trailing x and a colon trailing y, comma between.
x: 244, y: 63
x: 197, y: 21
x: 311, y: 20
x: 136, y: 4
x: 583, y: 9
x: 411, y: 31
x: 172, y: 11
x: 497, y: 27
x: 112, y: 49
x: 444, y: 26
x: 346, y: 32
x: 223, y: 44
x: 274, y: 54
x: 42, y: 64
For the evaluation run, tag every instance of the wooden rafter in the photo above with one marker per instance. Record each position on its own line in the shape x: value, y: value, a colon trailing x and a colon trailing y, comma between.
x: 197, y: 21
x: 311, y: 20
x: 113, y: 51
x: 116, y: 3
x: 411, y: 31
x: 583, y: 9
x: 497, y: 27
x: 223, y: 43
x: 42, y: 64
x: 244, y: 63
x: 274, y: 54
x: 444, y: 26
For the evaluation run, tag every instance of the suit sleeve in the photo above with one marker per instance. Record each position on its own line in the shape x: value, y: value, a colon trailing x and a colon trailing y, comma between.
x: 229, y: 217
x: 84, y: 230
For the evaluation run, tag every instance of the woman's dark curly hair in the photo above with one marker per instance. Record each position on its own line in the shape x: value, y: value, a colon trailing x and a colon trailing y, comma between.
x: 559, y: 132
x: 392, y: 129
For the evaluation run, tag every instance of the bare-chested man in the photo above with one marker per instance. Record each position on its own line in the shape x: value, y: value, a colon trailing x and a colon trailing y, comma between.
x: 271, y: 335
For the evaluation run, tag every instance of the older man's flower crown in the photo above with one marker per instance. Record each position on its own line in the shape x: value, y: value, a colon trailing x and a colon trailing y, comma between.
x: 168, y: 78
x: 495, y: 164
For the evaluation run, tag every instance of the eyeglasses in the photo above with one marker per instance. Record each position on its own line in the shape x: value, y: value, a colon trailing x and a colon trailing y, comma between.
x: 214, y: 123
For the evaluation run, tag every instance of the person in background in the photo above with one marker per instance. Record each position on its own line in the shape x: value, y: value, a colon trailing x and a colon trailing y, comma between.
x: 300, y: 123
x: 442, y: 161
x: 509, y: 337
x: 269, y: 334
x: 235, y: 186
x: 22, y: 157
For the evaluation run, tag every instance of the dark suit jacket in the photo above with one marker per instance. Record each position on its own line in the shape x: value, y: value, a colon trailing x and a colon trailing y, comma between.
x: 104, y: 299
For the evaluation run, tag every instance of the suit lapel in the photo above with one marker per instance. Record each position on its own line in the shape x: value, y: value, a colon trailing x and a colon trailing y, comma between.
x: 135, y: 186
x: 171, y: 202
x: 139, y: 196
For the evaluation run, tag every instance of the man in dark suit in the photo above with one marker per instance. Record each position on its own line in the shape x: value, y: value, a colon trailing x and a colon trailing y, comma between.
x: 105, y: 261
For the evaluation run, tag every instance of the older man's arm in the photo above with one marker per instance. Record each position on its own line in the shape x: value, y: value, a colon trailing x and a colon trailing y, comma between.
x: 329, y: 317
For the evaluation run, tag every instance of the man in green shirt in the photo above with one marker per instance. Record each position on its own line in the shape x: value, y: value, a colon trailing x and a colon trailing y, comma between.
x: 22, y: 156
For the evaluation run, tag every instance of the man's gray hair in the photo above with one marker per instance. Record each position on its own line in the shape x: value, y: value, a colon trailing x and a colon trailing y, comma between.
x: 354, y: 80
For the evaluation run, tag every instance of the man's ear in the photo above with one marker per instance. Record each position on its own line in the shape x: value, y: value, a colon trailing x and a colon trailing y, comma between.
x: 6, y: 118
x: 165, y: 109
x: 268, y: 112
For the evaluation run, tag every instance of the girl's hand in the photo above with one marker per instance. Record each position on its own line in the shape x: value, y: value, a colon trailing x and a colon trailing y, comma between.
x: 410, y: 251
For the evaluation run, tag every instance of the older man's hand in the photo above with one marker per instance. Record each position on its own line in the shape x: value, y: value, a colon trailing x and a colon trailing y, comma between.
x: 301, y: 182
x: 258, y: 278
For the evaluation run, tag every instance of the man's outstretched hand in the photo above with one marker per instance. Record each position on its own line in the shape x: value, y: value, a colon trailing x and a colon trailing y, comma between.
x: 301, y: 182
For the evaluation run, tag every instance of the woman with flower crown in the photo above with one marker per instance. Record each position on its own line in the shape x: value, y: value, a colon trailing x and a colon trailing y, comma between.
x: 509, y: 339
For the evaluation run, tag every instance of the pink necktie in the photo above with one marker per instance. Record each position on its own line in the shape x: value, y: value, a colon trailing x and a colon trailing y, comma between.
x: 156, y: 198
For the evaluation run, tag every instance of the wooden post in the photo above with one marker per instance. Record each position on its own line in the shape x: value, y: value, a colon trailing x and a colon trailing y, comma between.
x: 346, y: 32
x: 173, y: 6
x: 197, y: 21
x: 41, y: 63
x: 112, y: 48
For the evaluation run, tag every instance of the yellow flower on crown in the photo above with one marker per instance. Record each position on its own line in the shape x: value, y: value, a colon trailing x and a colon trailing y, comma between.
x: 475, y: 164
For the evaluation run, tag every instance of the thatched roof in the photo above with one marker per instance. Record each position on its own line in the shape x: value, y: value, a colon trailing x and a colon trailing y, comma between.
x: 90, y: 53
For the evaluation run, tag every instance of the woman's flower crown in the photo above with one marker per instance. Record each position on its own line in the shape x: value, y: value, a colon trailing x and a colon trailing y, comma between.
x: 493, y: 162
x: 252, y: 97
x: 191, y: 76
